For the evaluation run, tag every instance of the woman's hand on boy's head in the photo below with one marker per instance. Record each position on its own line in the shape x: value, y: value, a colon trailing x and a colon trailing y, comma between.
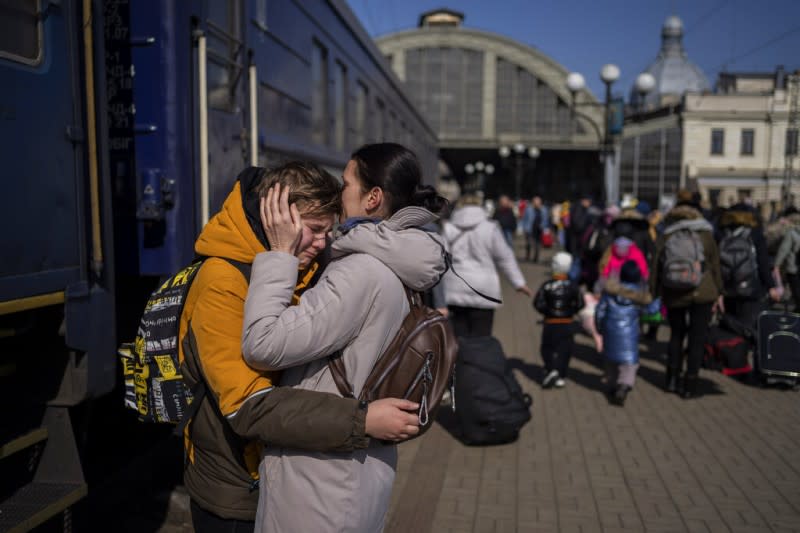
x: 281, y: 221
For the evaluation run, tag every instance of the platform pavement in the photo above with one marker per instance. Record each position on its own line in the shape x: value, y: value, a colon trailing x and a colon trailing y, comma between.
x: 727, y: 461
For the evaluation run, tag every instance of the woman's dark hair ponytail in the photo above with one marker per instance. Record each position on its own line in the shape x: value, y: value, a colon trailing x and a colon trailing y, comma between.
x: 427, y: 197
x: 396, y: 170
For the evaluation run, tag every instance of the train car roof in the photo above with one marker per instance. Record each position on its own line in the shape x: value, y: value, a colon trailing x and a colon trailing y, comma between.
x: 350, y: 19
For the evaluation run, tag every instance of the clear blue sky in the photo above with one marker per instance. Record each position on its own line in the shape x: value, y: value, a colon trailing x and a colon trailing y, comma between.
x: 582, y: 35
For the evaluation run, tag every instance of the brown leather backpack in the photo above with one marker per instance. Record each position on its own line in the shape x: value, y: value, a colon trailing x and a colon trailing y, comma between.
x: 418, y: 364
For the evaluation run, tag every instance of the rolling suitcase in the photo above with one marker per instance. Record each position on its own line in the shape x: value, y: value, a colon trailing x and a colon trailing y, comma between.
x: 779, y: 344
x: 490, y: 405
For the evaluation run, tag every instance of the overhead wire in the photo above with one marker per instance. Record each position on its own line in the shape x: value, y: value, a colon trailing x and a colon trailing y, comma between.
x: 758, y: 48
x: 704, y: 17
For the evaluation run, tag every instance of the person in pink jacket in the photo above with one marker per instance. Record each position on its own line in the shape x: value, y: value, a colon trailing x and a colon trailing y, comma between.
x: 622, y: 250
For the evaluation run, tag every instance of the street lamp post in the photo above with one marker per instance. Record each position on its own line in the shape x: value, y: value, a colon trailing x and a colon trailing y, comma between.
x: 480, y: 170
x: 609, y: 74
x: 519, y: 150
x: 575, y: 82
x: 645, y: 82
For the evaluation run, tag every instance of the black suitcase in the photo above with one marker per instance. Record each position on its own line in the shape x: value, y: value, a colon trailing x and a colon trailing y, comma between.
x: 779, y: 344
x: 490, y: 405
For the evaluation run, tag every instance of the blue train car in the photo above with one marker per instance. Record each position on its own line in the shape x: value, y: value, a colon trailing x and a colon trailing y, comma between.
x: 124, y: 124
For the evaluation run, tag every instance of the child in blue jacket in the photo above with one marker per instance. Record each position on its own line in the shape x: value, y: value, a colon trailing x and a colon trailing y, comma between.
x: 617, y: 320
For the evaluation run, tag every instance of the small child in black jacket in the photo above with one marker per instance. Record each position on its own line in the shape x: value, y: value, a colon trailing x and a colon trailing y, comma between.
x: 558, y: 300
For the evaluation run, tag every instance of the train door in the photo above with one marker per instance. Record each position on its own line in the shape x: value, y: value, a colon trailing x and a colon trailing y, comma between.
x: 40, y: 148
x: 226, y: 137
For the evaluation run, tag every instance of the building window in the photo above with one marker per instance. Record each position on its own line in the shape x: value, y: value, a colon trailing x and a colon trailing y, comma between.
x: 748, y: 136
x: 744, y: 194
x: 713, y: 197
x: 791, y: 141
x: 446, y: 84
x: 362, y: 96
x: 224, y: 53
x: 319, y: 95
x: 717, y: 141
x: 340, y: 99
x: 526, y: 105
x: 21, y: 31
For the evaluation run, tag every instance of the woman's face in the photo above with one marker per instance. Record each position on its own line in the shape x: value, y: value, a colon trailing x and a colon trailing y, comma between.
x: 354, y: 200
x: 316, y: 230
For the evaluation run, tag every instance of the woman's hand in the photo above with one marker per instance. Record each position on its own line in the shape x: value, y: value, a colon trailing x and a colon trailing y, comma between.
x: 392, y: 419
x: 719, y: 305
x: 525, y: 290
x: 282, y: 224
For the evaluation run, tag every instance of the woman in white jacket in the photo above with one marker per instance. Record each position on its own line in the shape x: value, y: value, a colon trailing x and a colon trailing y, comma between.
x: 357, y: 306
x: 478, y: 249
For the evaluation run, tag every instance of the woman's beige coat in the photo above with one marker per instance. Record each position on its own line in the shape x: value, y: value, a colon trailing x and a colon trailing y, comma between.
x: 357, y: 306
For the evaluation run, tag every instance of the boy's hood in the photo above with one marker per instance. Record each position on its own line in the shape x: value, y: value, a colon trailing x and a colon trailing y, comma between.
x: 235, y: 232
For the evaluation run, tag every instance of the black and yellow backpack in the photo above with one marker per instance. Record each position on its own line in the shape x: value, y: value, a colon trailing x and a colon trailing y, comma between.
x: 154, y: 385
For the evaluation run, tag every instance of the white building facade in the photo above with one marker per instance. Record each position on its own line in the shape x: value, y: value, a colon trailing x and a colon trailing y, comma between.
x: 740, y: 141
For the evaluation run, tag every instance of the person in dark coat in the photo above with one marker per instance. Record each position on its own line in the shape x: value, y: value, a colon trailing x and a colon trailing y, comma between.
x: 579, y: 220
x: 688, y: 310
x: 617, y: 319
x: 747, y: 307
x: 558, y: 300
x: 534, y: 222
x: 504, y: 215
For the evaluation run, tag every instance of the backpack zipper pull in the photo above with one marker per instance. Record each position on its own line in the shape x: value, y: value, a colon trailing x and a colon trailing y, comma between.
x: 453, y: 392
x: 427, y: 377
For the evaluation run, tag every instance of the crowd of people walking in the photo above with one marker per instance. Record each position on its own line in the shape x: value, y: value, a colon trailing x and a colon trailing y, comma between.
x: 686, y: 266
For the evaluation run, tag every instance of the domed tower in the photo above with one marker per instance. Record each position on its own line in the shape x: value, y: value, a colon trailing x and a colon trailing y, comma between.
x: 674, y: 73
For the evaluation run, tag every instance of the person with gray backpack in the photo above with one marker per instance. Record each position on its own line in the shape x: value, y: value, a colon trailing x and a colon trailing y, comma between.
x: 687, y: 278
x: 744, y: 264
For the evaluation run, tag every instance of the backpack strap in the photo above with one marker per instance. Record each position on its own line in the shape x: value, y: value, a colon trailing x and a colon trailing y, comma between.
x: 339, y: 374
x: 200, y: 389
x: 199, y: 392
x: 336, y: 362
x: 448, y: 259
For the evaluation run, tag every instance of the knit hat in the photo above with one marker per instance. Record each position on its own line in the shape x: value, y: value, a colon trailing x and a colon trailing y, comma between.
x: 630, y: 273
x: 621, y: 246
x: 561, y: 263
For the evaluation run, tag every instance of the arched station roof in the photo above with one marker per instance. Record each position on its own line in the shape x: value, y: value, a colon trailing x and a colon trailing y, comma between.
x: 479, y: 89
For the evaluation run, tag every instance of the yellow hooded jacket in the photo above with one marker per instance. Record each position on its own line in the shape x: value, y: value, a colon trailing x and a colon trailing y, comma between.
x: 243, y: 407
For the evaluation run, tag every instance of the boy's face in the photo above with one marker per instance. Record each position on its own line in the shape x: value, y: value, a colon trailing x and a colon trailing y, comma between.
x: 316, y: 231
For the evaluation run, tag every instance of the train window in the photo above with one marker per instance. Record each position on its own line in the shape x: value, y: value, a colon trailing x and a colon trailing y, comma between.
x: 380, y: 129
x: 340, y: 99
x: 393, y: 134
x: 225, y: 49
x: 319, y: 95
x: 261, y: 14
x: 21, y: 31
x: 362, y: 96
